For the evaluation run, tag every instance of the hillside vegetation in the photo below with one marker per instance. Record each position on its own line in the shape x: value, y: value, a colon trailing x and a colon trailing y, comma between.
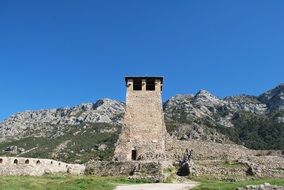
x: 76, y: 144
x: 256, y: 131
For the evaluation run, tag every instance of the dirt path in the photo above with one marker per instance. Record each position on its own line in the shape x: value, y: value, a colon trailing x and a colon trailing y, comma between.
x: 158, y: 186
x: 27, y: 151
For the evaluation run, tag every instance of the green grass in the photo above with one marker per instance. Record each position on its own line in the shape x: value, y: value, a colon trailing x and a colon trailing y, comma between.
x: 213, y: 184
x: 67, y: 182
x: 62, y: 182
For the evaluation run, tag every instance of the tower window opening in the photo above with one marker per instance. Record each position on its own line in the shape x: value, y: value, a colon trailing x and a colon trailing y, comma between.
x: 137, y: 84
x: 1, y: 160
x: 150, y: 84
x: 27, y: 162
x: 134, y: 154
x: 15, y: 161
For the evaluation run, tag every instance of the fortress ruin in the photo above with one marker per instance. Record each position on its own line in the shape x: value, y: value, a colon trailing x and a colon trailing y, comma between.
x: 144, y: 148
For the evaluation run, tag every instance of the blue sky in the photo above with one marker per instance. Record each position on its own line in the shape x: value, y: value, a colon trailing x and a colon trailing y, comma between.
x: 62, y: 53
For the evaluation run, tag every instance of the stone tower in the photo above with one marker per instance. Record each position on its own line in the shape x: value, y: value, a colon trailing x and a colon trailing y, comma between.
x: 143, y: 133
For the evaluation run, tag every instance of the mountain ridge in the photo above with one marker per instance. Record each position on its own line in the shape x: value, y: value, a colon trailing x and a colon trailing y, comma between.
x: 202, y: 116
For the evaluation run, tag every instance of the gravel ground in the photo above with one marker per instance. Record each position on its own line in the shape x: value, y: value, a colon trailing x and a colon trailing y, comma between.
x: 158, y: 186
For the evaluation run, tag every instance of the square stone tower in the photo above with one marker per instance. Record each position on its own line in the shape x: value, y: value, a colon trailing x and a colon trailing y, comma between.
x: 143, y: 133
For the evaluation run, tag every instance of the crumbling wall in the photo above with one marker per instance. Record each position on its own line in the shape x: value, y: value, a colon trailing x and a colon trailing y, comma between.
x: 203, y: 150
x: 265, y: 186
x: 142, y: 169
x: 265, y: 166
x: 227, y: 160
x: 36, y: 167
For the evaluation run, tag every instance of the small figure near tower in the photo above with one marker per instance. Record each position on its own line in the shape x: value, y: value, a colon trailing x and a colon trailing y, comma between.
x: 143, y: 133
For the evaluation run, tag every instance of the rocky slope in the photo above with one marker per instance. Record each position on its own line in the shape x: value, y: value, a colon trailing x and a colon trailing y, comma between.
x: 41, y: 122
x: 274, y: 98
x: 206, y: 117
x: 202, y: 116
x: 197, y: 114
x: 204, y: 105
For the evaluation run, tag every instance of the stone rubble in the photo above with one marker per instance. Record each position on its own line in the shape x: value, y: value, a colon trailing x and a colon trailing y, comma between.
x: 265, y: 186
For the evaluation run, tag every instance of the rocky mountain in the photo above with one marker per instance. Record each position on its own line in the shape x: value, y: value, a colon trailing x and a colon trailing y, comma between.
x: 90, y: 130
x: 218, y: 111
x: 274, y: 98
x: 234, y: 118
x: 73, y: 134
x: 41, y: 122
x: 204, y: 105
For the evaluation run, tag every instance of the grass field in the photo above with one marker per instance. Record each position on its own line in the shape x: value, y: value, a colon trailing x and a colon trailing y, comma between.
x: 66, y: 182
x: 211, y: 184
x: 62, y: 182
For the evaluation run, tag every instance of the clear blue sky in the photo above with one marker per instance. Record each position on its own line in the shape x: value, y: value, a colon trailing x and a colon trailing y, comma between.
x: 62, y: 53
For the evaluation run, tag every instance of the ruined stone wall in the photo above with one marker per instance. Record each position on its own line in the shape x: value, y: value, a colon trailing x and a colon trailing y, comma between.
x: 134, y: 169
x: 36, y: 167
x: 227, y: 160
x: 265, y: 186
x: 265, y: 166
x: 144, y: 128
x: 220, y: 170
x: 203, y: 150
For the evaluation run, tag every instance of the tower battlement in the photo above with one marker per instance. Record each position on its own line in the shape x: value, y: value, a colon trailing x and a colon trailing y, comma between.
x: 144, y: 83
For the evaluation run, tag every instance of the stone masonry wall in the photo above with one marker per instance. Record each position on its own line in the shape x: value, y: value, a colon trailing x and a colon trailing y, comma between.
x: 135, y: 169
x: 265, y: 186
x: 203, y: 150
x: 265, y: 166
x: 227, y: 160
x: 144, y: 128
x: 36, y: 167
